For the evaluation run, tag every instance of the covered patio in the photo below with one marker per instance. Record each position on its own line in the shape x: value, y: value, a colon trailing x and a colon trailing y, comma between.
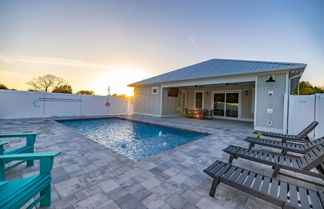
x: 228, y: 101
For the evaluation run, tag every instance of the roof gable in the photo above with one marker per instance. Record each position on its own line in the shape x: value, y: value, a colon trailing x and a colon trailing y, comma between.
x: 219, y: 67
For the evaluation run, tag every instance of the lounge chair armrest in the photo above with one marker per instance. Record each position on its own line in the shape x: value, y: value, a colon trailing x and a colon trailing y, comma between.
x: 3, y: 143
x: 45, y: 159
x: 1, y: 147
x: 30, y: 137
x: 29, y: 156
x: 19, y: 135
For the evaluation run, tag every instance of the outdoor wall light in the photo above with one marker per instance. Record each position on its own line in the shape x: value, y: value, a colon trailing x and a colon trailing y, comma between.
x: 207, y: 93
x: 270, y: 79
x: 246, y: 92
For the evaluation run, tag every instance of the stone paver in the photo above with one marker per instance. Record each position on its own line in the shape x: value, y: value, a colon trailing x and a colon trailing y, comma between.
x: 89, y: 175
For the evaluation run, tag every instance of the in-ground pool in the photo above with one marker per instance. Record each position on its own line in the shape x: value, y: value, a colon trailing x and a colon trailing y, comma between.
x: 135, y: 140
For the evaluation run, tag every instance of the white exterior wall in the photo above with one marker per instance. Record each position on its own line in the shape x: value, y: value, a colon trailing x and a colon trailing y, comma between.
x: 170, y: 104
x: 276, y: 102
x: 147, y: 103
x: 25, y: 104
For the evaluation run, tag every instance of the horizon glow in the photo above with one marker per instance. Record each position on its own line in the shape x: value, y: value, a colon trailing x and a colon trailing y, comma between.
x: 101, y: 43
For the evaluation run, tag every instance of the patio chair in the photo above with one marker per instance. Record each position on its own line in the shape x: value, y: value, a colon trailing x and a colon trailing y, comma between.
x: 312, y: 159
x: 301, y: 137
x: 280, y: 193
x: 28, y: 148
x: 285, y: 146
x: 188, y: 113
x: 17, y: 193
x: 207, y: 114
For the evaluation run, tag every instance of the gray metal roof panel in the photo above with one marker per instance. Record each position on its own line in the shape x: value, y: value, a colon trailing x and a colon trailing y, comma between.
x: 219, y: 67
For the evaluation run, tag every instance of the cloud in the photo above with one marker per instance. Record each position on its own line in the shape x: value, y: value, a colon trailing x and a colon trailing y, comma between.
x: 193, y: 42
x: 14, y: 59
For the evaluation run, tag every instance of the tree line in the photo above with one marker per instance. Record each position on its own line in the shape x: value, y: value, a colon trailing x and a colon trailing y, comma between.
x: 51, y: 83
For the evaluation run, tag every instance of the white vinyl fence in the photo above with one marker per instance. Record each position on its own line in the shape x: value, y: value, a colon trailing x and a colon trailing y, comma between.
x: 25, y: 104
x: 304, y: 109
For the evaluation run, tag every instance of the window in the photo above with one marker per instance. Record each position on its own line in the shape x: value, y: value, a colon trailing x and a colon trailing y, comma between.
x: 155, y: 90
x: 226, y: 103
x: 199, y: 99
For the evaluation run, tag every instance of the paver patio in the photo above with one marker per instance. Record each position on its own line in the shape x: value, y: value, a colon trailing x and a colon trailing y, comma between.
x: 89, y: 175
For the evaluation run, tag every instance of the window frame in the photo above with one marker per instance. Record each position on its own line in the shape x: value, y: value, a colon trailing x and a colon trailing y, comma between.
x: 202, y: 98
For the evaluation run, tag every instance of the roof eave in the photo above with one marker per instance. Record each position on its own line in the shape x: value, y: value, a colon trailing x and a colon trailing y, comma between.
x: 137, y: 84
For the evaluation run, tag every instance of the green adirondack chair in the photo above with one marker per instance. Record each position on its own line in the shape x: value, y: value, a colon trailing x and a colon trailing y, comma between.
x: 28, y: 148
x: 17, y: 193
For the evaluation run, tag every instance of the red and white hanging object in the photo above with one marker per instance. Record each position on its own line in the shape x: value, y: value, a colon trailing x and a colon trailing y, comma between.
x: 107, y: 103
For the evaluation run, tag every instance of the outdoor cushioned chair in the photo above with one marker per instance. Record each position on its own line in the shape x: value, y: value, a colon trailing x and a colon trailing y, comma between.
x: 301, y: 137
x: 281, y: 193
x: 15, y: 194
x: 28, y: 148
x: 312, y: 159
x: 285, y: 146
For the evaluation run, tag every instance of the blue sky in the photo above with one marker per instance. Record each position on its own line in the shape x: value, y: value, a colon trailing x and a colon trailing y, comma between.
x: 95, y: 43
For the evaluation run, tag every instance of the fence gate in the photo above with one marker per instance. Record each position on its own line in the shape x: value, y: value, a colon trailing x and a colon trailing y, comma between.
x: 304, y: 109
x: 301, y: 113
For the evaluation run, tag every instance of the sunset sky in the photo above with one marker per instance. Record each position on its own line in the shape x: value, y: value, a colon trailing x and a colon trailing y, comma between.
x: 93, y: 44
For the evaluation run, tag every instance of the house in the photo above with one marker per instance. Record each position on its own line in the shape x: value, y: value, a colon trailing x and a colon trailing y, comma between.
x: 254, y: 91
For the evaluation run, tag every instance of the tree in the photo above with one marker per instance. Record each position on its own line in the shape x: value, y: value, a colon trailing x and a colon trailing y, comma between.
x: 86, y: 92
x: 67, y: 89
x: 3, y: 86
x: 306, y: 88
x: 46, y: 82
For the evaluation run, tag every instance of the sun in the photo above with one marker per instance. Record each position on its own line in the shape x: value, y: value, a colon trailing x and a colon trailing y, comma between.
x: 117, y: 79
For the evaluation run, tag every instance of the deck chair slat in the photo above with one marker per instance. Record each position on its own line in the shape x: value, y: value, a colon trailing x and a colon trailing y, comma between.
x: 293, y: 194
x: 294, y: 163
x: 304, y: 198
x: 283, y: 191
x: 229, y: 172
x: 242, y: 177
x: 274, y: 188
x: 217, y: 168
x: 265, y: 185
x: 257, y: 182
x: 223, y: 170
x: 250, y: 179
x: 315, y: 199
x: 236, y: 174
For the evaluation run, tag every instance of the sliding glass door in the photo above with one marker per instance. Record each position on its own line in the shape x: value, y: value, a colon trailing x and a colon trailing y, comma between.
x: 226, y: 104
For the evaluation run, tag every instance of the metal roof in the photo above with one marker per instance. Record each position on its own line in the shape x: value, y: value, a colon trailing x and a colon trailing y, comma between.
x: 219, y: 67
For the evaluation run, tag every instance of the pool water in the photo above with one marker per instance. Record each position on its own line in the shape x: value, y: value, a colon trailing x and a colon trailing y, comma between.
x: 132, y: 139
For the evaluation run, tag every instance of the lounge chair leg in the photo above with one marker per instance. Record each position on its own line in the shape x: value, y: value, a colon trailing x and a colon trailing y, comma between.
x: 232, y: 157
x: 213, y: 187
x: 251, y: 145
x: 275, y: 172
x: 46, y: 201
x: 30, y: 162
x: 2, y: 171
x: 284, y: 151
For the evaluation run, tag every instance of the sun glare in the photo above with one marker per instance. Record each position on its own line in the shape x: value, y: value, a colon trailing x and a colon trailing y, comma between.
x: 118, y: 79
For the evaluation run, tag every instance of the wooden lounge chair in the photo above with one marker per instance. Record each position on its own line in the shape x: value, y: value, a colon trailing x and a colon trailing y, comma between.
x: 301, y: 137
x: 28, y: 148
x: 312, y: 159
x: 17, y: 193
x: 281, y: 193
x: 285, y: 146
